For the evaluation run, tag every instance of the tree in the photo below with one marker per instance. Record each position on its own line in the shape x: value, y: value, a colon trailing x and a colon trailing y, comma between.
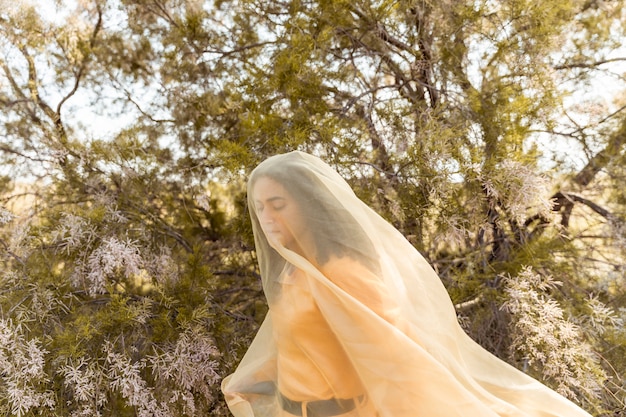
x: 129, y: 272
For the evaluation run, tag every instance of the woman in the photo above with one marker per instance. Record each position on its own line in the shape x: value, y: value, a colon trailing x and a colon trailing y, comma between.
x: 359, y: 325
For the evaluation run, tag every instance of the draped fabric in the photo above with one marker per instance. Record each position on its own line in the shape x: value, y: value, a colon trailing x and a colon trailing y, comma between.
x: 357, y: 316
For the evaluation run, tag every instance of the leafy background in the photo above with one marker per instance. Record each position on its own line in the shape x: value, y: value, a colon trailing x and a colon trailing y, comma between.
x: 490, y: 133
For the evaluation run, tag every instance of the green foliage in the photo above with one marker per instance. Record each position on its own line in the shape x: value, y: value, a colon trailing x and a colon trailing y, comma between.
x: 127, y: 255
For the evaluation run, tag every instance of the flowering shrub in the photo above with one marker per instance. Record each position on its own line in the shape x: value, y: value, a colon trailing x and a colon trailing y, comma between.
x: 549, y: 342
x: 128, y: 280
x: 23, y: 387
x: 110, y: 323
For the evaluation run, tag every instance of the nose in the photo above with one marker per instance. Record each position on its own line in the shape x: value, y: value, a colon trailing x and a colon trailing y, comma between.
x: 266, y: 217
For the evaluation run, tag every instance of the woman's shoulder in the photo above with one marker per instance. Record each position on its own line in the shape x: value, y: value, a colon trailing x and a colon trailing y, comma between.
x: 343, y: 268
x: 343, y: 264
x: 363, y: 285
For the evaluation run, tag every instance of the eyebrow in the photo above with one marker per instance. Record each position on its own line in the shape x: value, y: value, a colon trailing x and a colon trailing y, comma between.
x: 271, y: 199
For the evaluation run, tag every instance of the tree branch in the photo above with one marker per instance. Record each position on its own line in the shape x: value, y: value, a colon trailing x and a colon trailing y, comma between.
x: 237, y: 50
x: 602, y: 158
x: 83, y: 66
x: 589, y: 65
x: 466, y: 305
x: 33, y: 87
x: 143, y: 112
x: 563, y: 199
x: 13, y: 255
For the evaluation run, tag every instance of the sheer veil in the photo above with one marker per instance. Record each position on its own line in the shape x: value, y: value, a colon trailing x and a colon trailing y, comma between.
x: 386, y: 307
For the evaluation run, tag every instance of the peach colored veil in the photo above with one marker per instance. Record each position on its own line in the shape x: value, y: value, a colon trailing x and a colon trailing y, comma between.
x: 407, y: 349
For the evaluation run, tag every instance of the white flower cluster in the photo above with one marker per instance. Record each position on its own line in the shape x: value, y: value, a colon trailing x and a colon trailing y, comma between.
x: 115, y: 216
x: 162, y: 267
x: 5, y: 216
x: 191, y: 365
x: 82, y: 380
x: 43, y: 303
x: 9, y: 278
x: 22, y: 364
x: 519, y: 189
x: 19, y: 239
x: 204, y: 201
x: 547, y: 339
x: 111, y: 257
x: 183, y: 371
x: 73, y: 231
x: 602, y: 317
x: 125, y: 377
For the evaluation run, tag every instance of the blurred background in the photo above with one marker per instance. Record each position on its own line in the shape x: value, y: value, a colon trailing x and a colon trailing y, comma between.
x: 492, y: 134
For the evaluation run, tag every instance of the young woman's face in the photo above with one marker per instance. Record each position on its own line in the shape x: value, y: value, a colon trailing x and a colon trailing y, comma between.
x: 279, y: 214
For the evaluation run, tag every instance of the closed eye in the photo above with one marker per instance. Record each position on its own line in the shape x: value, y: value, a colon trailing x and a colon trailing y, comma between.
x: 276, y: 204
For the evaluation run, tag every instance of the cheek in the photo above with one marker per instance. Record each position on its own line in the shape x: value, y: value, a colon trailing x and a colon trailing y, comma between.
x: 297, y: 223
x: 284, y: 222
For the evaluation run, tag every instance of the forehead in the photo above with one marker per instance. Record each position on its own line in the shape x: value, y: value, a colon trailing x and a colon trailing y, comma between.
x: 266, y: 188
